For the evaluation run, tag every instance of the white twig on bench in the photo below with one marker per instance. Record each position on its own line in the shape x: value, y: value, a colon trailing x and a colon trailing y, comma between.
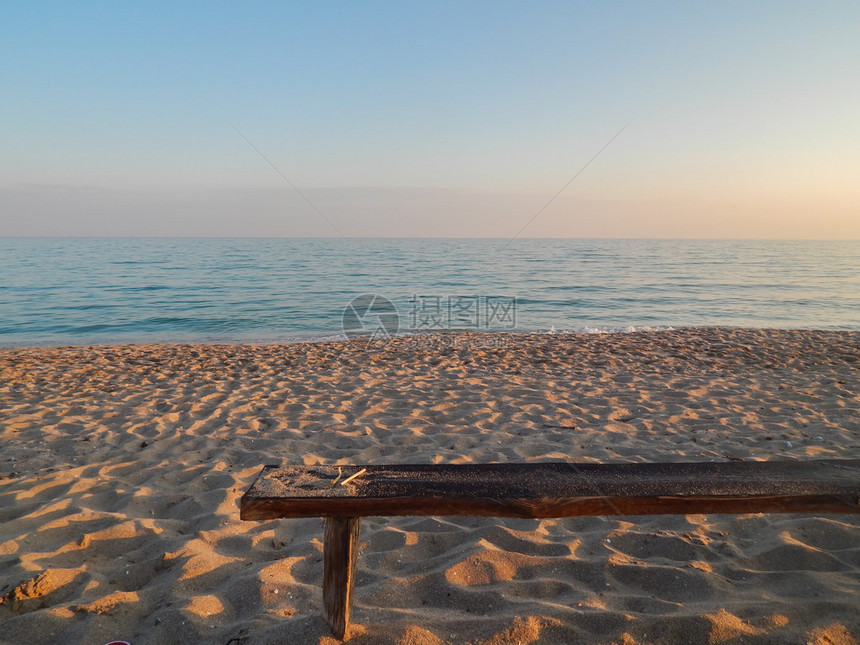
x: 353, y: 476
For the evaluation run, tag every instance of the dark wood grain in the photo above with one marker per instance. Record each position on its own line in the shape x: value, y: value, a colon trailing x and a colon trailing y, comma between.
x: 535, y: 490
x: 340, y: 552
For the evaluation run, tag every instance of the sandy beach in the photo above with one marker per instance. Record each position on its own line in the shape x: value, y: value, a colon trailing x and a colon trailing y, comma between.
x: 121, y: 470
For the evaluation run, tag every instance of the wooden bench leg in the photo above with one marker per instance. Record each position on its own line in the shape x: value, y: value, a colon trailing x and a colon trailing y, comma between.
x: 339, y: 555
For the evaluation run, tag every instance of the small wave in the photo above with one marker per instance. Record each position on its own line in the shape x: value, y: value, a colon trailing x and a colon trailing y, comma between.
x: 628, y: 329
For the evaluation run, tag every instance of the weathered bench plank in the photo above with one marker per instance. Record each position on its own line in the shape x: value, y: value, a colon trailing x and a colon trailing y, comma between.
x: 345, y: 494
x: 536, y: 490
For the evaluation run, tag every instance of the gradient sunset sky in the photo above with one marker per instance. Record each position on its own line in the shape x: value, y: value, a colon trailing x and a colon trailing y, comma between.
x: 440, y: 119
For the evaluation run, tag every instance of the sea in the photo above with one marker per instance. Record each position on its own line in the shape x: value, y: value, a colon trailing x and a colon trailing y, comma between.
x: 83, y: 291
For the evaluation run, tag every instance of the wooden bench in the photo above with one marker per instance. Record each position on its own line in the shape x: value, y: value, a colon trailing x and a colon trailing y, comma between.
x: 534, y: 490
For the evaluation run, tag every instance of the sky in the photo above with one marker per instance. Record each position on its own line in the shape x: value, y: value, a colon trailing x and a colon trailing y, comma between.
x: 430, y: 119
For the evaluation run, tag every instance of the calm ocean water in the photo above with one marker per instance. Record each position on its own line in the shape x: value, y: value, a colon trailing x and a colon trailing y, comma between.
x: 94, y: 291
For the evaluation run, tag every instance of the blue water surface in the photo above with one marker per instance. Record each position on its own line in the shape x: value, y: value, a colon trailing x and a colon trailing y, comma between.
x: 60, y: 291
